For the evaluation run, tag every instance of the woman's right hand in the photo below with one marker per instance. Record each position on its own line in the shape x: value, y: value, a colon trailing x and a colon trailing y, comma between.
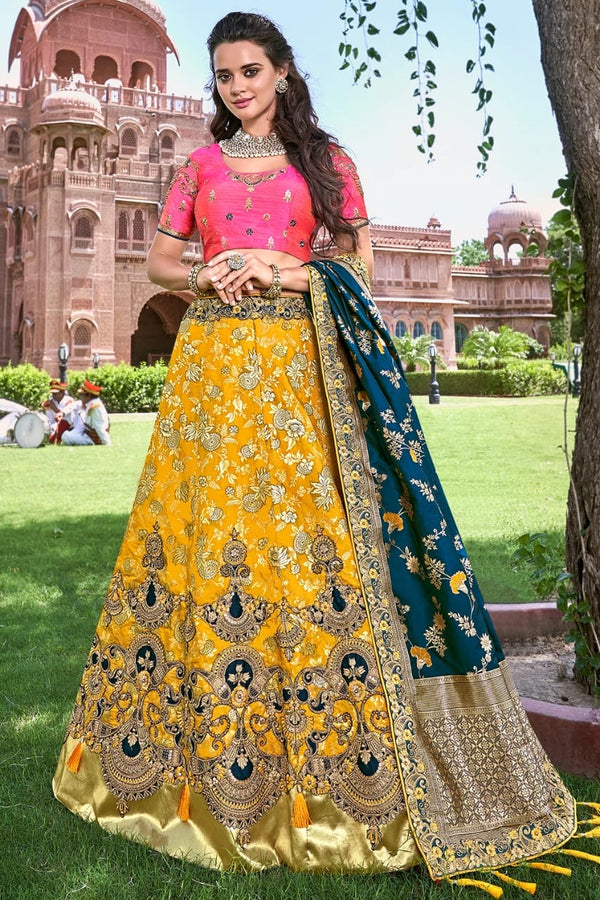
x: 232, y: 284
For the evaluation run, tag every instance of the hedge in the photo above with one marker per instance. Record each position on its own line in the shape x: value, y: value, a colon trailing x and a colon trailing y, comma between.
x: 519, y: 379
x: 124, y: 388
x: 24, y: 384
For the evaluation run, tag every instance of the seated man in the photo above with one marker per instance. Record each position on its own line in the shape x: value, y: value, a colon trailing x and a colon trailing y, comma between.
x: 60, y: 410
x: 91, y: 425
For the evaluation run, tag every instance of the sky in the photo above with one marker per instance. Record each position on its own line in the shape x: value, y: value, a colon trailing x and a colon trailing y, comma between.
x: 375, y: 124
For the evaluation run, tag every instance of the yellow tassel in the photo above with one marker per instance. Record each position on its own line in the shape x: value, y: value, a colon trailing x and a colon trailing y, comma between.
x: 300, y: 814
x: 492, y: 889
x: 593, y: 833
x: 581, y: 855
x: 594, y: 821
x: 549, y: 867
x: 183, y: 810
x: 595, y: 806
x: 74, y: 760
x: 529, y: 886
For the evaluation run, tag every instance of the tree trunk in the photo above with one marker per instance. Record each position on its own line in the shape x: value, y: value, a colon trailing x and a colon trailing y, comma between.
x: 570, y: 39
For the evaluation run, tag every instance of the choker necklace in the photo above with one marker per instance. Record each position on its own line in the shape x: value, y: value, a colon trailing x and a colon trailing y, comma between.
x: 244, y: 146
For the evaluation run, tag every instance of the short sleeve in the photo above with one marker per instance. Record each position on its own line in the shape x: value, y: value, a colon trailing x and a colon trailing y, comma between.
x: 353, y: 203
x: 177, y: 217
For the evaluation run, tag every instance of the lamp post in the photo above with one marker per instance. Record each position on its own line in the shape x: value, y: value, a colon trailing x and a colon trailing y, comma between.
x: 63, y: 358
x: 576, y: 390
x: 434, y: 388
x: 95, y: 360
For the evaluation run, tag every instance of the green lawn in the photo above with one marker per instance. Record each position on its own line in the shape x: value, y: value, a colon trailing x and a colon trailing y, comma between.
x: 503, y: 469
x: 63, y: 515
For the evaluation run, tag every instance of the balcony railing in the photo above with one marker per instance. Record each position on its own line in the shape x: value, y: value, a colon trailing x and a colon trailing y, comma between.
x: 110, y: 93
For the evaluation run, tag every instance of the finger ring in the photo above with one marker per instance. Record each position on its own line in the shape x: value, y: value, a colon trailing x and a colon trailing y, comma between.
x: 236, y: 261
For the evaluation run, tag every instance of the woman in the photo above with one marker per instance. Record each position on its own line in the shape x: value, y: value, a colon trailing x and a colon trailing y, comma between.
x: 294, y: 664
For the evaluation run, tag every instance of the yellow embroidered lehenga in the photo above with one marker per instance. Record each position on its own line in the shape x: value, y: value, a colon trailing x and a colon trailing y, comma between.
x: 258, y: 665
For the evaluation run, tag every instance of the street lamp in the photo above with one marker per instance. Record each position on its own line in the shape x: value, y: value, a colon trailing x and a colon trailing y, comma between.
x: 63, y: 358
x: 576, y: 370
x: 95, y: 360
x: 434, y: 388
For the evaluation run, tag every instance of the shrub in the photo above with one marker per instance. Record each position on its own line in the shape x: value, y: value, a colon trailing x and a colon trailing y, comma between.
x: 125, y: 388
x: 24, y: 384
x: 530, y: 378
x: 470, y: 363
x: 519, y: 379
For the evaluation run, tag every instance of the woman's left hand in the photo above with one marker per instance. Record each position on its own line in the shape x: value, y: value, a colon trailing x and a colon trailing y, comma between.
x: 232, y: 283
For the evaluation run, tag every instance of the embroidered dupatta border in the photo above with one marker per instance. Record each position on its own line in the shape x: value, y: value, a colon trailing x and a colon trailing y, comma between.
x: 430, y: 716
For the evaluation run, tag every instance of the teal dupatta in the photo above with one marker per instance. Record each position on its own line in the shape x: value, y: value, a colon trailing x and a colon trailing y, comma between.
x: 479, y: 790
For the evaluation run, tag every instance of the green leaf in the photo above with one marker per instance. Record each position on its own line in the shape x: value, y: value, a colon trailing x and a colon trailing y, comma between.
x: 421, y: 11
x: 432, y: 38
x: 372, y: 30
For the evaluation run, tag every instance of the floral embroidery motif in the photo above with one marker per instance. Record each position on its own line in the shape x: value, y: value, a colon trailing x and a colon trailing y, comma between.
x: 236, y: 615
x: 339, y: 608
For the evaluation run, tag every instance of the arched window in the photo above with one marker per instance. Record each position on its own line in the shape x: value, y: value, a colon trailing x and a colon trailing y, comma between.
x: 437, y: 332
x: 138, y: 231
x: 123, y: 231
x: 13, y: 142
x: 167, y: 146
x: 83, y: 233
x: 105, y: 67
x: 129, y: 142
x: 82, y: 340
x: 400, y: 329
x: 418, y: 329
x: 460, y: 336
x: 142, y: 75
x: 66, y: 63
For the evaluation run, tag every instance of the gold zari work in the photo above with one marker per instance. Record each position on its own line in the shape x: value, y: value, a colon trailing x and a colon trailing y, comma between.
x: 251, y: 647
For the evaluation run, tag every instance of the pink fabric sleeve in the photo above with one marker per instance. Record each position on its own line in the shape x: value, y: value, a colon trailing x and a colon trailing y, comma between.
x: 177, y: 217
x: 353, y: 206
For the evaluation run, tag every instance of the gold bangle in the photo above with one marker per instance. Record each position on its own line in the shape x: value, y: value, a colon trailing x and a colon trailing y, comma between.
x: 273, y: 292
x: 193, y: 277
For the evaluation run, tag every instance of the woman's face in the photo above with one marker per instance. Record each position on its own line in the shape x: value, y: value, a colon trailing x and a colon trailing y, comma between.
x: 245, y: 79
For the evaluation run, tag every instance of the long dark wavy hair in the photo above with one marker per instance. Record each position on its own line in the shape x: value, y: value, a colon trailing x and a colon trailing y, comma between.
x: 307, y: 146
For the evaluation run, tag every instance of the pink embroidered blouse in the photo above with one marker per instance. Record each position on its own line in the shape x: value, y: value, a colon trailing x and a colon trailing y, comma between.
x: 267, y: 210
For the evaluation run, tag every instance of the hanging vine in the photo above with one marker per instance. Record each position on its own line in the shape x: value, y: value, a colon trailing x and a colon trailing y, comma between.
x: 413, y: 20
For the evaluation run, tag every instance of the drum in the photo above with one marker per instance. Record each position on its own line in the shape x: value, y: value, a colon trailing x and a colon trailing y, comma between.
x: 31, y: 429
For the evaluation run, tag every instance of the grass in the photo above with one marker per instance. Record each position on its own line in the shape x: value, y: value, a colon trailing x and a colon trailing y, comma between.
x: 503, y: 470
x: 63, y: 514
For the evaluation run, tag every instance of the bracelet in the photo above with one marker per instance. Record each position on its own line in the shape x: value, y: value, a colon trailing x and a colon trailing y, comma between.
x: 193, y: 277
x: 274, y: 291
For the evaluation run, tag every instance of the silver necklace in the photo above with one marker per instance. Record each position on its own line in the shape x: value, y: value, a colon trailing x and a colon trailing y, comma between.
x: 244, y: 146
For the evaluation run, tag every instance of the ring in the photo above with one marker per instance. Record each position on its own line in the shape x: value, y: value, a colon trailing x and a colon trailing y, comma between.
x: 236, y: 261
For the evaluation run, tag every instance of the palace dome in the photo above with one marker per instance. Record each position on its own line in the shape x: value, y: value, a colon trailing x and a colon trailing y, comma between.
x: 150, y: 8
x: 71, y: 105
x: 512, y: 215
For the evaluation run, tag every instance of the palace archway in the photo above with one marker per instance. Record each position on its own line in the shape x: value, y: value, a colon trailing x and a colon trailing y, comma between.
x: 157, y: 327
